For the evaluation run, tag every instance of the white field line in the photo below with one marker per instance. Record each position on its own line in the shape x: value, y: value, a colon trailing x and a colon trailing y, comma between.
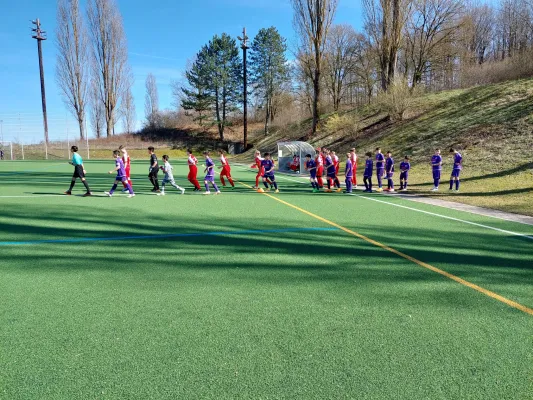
x: 440, y: 215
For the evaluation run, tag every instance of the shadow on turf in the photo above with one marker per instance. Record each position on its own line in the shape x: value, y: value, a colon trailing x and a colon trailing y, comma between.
x: 482, y: 257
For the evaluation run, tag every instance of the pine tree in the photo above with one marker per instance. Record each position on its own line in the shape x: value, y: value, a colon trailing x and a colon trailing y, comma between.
x: 269, y: 71
x: 197, y: 97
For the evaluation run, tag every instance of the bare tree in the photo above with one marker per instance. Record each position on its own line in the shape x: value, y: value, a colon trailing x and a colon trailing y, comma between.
x: 72, y: 59
x: 151, y: 101
x: 128, y: 112
x: 97, y: 109
x: 110, y: 54
x: 340, y: 58
x: 432, y: 25
x: 384, y: 22
x: 312, y: 20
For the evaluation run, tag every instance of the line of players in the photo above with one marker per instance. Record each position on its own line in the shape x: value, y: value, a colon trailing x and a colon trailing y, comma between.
x: 325, y: 160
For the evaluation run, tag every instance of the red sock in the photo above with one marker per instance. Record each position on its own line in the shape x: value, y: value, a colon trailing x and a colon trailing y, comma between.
x: 231, y: 181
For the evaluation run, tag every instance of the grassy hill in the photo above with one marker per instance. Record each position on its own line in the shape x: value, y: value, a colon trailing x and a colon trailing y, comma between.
x: 491, y: 125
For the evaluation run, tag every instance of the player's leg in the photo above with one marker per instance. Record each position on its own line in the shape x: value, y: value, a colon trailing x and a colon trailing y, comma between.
x: 457, y: 179
x: 265, y: 182
x: 230, y: 179
x: 113, y: 188
x: 273, y: 180
x: 72, y: 183
x: 370, y: 184
x: 222, y: 174
x: 176, y: 186
x: 379, y: 174
x: 348, y: 185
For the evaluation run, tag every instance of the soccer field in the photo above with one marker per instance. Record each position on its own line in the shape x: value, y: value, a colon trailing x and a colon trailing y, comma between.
x: 255, y: 296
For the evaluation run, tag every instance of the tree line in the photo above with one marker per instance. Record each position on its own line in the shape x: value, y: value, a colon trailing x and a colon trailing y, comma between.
x: 405, y: 46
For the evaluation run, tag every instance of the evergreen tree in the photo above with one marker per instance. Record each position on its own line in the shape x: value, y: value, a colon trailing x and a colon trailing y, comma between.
x: 215, y: 81
x: 268, y: 69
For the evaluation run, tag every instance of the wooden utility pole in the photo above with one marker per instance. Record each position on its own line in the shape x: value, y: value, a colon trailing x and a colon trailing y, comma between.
x: 40, y: 35
x: 244, y: 47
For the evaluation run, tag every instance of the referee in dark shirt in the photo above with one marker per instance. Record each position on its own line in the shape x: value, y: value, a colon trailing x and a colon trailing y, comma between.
x: 154, y: 169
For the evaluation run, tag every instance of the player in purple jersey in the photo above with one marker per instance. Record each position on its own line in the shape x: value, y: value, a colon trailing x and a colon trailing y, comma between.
x: 436, y: 165
x: 380, y: 168
x: 389, y: 170
x: 268, y: 165
x: 121, y: 175
x: 348, y: 173
x: 405, y: 166
x: 457, y: 168
x: 332, y: 172
x: 209, y: 174
x: 367, y: 175
x: 310, y: 166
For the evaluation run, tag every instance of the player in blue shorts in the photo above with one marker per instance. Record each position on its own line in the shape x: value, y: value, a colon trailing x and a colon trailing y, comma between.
x: 310, y: 166
x: 436, y: 165
x: 457, y: 168
x: 367, y: 175
x: 380, y: 169
x: 268, y: 165
x: 209, y: 174
x: 348, y: 173
x: 389, y: 170
x: 79, y: 172
x: 405, y: 166
x: 331, y: 172
x: 121, y: 175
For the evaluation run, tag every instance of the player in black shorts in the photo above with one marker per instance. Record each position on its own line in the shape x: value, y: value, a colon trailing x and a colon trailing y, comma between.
x: 154, y: 169
x: 79, y: 172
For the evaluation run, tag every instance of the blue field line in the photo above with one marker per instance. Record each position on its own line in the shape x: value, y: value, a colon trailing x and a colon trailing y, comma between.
x: 166, y: 236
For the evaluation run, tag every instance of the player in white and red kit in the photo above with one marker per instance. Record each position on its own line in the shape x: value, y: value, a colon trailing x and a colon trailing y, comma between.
x: 127, y: 166
x: 260, y: 169
x: 192, y: 161
x: 226, y: 170
x: 319, y: 160
x: 353, y: 158
x: 336, y: 162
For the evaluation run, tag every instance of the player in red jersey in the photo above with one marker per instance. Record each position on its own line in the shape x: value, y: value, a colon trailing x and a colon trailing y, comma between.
x: 127, y: 165
x: 193, y: 171
x: 319, y: 159
x: 260, y: 169
x: 353, y: 158
x: 226, y: 170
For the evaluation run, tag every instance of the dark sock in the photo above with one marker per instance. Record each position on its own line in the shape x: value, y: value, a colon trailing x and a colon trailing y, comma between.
x: 86, y: 186
x: 266, y: 184
x: 113, y: 188
x: 365, y: 181
x: 457, y: 183
x: 405, y: 185
x: 329, y: 183
x: 451, y: 184
x: 337, y: 183
x: 72, y: 183
x: 370, y: 184
x: 313, y: 185
x: 275, y: 185
x: 156, y: 183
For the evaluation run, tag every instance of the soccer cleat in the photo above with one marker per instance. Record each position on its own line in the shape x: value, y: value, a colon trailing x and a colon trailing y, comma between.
x: 218, y: 192
x: 379, y: 190
x: 339, y: 190
x: 348, y: 192
x: 315, y: 190
x: 68, y: 193
x: 161, y: 194
x: 403, y: 190
x: 182, y: 191
x: 267, y: 189
x: 327, y: 190
x: 277, y: 191
x: 255, y: 187
x: 131, y: 195
x: 435, y: 189
x: 124, y: 190
x: 206, y: 193
x: 233, y: 187
x: 87, y: 194
x: 391, y: 190
x: 260, y: 190
x: 109, y: 194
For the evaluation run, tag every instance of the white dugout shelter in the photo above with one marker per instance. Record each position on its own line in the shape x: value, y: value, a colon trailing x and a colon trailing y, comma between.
x: 286, y: 153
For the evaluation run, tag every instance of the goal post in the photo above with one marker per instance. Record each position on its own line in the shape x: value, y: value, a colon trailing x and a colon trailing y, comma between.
x: 7, y: 147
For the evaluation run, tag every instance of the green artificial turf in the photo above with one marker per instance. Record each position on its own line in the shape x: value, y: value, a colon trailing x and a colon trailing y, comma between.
x: 290, y: 307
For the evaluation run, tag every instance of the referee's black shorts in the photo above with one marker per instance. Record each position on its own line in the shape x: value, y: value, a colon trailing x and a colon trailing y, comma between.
x: 78, y: 172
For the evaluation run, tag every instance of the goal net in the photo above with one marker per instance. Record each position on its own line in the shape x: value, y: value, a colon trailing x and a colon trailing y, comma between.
x: 6, y: 151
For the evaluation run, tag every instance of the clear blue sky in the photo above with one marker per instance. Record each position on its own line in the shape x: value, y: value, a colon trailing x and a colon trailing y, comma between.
x: 162, y: 36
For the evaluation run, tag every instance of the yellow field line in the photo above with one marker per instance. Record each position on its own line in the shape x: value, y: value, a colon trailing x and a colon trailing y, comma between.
x: 471, y: 285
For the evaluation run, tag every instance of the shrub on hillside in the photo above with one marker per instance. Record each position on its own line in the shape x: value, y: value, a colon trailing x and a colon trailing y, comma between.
x: 397, y: 100
x: 517, y: 67
x: 348, y: 123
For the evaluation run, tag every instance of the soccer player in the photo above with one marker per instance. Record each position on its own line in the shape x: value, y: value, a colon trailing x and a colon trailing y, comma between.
x: 348, y: 173
x: 268, y: 165
x: 260, y: 169
x: 127, y: 165
x: 389, y: 170
x: 380, y: 168
x: 192, y: 161
x: 405, y: 166
x: 436, y: 165
x: 154, y: 170
x: 226, y: 170
x: 121, y: 175
x: 310, y: 166
x: 336, y: 162
x: 331, y: 173
x: 79, y: 172
x: 457, y: 167
x: 1, y: 154
x: 169, y: 176
x: 367, y: 175
x: 210, y: 174
x: 319, y: 159
x: 353, y: 158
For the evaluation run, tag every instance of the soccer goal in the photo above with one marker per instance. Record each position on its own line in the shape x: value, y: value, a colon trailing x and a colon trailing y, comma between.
x: 7, y: 148
x: 291, y: 156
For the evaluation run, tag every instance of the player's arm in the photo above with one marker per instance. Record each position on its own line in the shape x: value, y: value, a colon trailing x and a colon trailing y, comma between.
x: 114, y: 170
x: 82, y: 167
